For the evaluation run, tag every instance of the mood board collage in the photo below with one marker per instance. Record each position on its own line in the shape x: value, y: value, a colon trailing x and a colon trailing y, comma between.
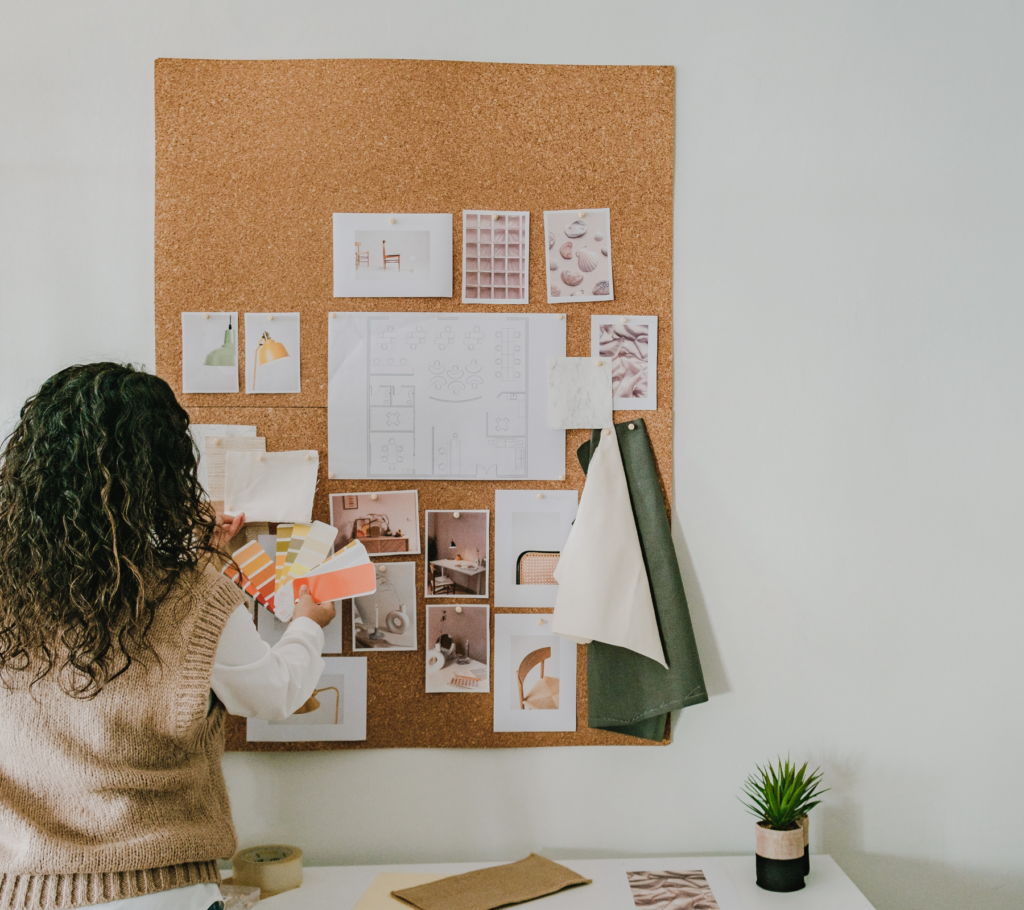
x: 428, y: 396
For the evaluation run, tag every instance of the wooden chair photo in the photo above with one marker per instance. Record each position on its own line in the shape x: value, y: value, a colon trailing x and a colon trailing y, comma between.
x: 362, y: 258
x: 543, y: 695
x: 395, y: 258
x: 439, y: 582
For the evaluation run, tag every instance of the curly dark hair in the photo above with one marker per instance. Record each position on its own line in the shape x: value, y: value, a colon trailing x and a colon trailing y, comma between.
x: 100, y: 511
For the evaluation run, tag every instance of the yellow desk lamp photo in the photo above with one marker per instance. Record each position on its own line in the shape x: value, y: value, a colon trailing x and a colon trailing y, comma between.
x: 267, y: 351
x: 312, y: 703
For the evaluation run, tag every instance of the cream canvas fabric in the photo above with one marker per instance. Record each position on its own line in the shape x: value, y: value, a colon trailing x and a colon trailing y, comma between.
x: 271, y: 486
x: 603, y: 591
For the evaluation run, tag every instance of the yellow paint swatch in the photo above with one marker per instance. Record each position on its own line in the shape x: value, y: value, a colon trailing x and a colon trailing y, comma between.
x: 284, y: 537
x: 315, y: 548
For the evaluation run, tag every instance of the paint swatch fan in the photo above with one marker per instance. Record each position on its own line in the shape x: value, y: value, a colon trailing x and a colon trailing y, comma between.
x: 349, y: 573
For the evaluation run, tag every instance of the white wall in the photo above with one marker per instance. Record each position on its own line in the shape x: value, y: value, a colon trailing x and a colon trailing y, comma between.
x: 849, y: 381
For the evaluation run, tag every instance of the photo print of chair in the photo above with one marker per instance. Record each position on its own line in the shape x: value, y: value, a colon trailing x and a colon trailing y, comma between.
x: 537, y: 567
x: 391, y: 258
x: 362, y: 258
x: 543, y: 694
x: 439, y: 582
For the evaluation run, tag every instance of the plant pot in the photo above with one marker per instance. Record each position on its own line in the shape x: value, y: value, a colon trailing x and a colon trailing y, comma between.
x: 805, y: 823
x: 780, y: 858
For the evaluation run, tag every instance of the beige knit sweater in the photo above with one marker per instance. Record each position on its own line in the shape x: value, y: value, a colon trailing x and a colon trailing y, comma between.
x: 123, y: 794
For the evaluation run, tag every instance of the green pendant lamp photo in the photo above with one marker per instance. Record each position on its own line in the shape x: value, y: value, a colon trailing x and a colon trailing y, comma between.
x: 224, y: 356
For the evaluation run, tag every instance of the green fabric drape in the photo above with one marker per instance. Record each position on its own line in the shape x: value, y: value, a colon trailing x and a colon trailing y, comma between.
x: 627, y: 692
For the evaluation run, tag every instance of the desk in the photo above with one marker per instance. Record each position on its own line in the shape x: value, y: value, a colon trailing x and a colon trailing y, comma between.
x: 441, y: 680
x: 730, y: 877
x: 474, y: 575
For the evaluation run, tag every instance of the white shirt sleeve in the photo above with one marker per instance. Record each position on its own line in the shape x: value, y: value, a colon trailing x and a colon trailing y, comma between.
x: 253, y: 679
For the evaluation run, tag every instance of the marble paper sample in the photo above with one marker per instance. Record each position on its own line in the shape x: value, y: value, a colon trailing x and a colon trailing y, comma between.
x: 630, y: 345
x: 578, y: 253
x: 579, y: 393
x: 271, y: 486
x: 209, y: 352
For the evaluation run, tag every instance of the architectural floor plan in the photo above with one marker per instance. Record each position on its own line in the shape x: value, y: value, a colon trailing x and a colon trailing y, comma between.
x: 443, y: 395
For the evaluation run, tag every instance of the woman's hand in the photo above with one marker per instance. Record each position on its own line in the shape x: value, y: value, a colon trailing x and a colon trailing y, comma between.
x: 321, y: 614
x: 227, y: 527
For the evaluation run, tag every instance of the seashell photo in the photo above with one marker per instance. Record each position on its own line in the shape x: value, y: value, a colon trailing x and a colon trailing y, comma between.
x: 551, y: 240
x: 586, y: 260
x: 576, y: 229
x: 566, y: 250
x: 555, y: 291
x: 600, y: 288
x: 571, y: 278
x: 604, y: 251
x: 553, y: 266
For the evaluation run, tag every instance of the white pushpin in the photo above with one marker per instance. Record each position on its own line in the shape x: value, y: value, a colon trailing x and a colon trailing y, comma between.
x: 561, y: 316
x: 623, y: 319
x: 334, y: 315
x: 632, y: 426
x: 373, y: 496
x: 494, y: 217
x: 392, y: 220
x: 583, y: 214
x: 599, y: 363
x: 607, y: 431
x: 259, y: 458
x: 330, y: 476
x: 270, y: 318
x: 540, y: 495
x: 309, y: 458
x: 382, y: 569
x: 561, y: 477
x: 217, y: 442
x: 458, y: 609
x: 540, y: 621
x: 455, y: 514
x: 207, y: 316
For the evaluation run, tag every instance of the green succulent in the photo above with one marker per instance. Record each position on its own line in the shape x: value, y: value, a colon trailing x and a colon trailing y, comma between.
x: 780, y: 795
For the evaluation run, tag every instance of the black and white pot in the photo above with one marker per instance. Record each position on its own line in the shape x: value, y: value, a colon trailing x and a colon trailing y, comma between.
x: 780, y: 857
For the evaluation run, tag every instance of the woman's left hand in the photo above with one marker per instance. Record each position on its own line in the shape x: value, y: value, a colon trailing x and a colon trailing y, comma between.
x: 227, y: 527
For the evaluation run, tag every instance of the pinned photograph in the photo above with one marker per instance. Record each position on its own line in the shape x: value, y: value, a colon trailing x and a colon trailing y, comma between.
x: 457, y: 549
x: 495, y: 257
x: 458, y: 648
x: 386, y: 619
x: 579, y: 393
x: 534, y: 675
x: 385, y: 523
x: 272, y: 353
x: 630, y: 345
x: 530, y: 529
x: 579, y: 255
x: 671, y: 891
x: 209, y: 352
x: 400, y: 255
x: 335, y: 712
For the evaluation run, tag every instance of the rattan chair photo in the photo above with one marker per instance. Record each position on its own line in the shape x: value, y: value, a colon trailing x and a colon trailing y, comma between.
x: 543, y: 695
x: 537, y: 567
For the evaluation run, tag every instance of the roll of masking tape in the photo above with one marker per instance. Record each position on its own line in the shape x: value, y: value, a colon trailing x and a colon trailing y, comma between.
x: 272, y: 868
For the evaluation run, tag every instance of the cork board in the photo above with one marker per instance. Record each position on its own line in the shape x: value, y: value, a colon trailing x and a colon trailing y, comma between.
x: 252, y: 160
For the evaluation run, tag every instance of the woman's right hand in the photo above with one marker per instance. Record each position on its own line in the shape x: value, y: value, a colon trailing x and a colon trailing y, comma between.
x: 321, y: 614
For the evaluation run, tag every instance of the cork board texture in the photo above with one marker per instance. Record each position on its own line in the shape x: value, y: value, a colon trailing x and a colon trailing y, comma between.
x: 252, y: 160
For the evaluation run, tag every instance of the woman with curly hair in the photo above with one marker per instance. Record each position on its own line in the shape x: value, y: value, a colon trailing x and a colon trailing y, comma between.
x: 121, y: 649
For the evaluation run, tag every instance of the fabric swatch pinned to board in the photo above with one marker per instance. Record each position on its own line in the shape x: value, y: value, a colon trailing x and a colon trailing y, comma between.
x: 271, y: 486
x: 628, y: 693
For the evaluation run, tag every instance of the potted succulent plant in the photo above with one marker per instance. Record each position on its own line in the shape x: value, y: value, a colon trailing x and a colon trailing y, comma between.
x: 780, y: 797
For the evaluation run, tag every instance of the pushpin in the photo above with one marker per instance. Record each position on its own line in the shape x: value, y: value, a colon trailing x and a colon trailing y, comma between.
x: 392, y: 220
x: 270, y: 318
x: 458, y: 609
x: 607, y: 431
x: 334, y: 315
x: 561, y: 315
x: 494, y: 217
x: 540, y: 495
x: 540, y: 621
x: 217, y: 442
x: 623, y: 319
x: 373, y: 496
x: 382, y: 569
x: 207, y: 316
x: 330, y: 476
x: 455, y: 514
x: 309, y: 458
x: 632, y: 426
x: 583, y: 214
x: 561, y: 477
x: 259, y: 458
x: 599, y: 363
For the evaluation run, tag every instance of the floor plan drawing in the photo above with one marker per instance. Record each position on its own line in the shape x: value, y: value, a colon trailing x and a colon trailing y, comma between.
x: 443, y: 395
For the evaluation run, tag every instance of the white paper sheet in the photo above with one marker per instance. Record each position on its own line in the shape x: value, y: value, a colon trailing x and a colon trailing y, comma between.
x: 418, y: 250
x: 271, y: 486
x: 579, y: 393
x: 530, y: 529
x: 214, y: 337
x: 217, y: 448
x: 578, y: 251
x: 391, y: 610
x: 456, y: 396
x: 340, y: 717
x: 466, y: 668
x: 548, y: 705
x: 280, y: 375
x: 202, y: 431
x: 495, y: 257
x: 630, y: 344
x: 603, y: 591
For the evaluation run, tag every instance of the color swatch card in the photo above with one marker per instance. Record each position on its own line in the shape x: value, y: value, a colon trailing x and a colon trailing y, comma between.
x: 316, y: 547
x: 271, y: 486
x: 257, y: 573
x: 349, y: 573
x: 282, y: 543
